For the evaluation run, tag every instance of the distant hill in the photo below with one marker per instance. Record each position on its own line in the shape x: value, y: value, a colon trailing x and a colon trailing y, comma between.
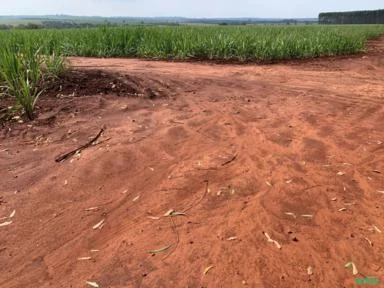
x: 97, y: 20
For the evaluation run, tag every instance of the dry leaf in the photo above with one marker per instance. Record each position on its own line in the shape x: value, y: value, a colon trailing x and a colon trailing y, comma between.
x: 290, y: 214
x: 5, y: 223
x: 268, y: 183
x: 377, y: 229
x: 152, y: 169
x: 125, y: 192
x: 92, y: 209
x: 66, y: 182
x: 84, y: 258
x: 369, y: 241
x: 98, y: 225
x: 92, y: 284
x: 380, y: 191
x: 289, y: 181
x: 342, y: 209
x: 376, y: 171
x: 232, y: 238
x: 136, y: 198
x: 161, y: 250
x: 169, y: 212
x: 207, y: 269
x: 94, y: 250
x: 271, y: 240
x: 354, y: 269
x: 178, y: 213
x: 340, y: 173
x: 334, y: 199
x: 307, y: 216
x: 310, y: 270
x: 153, y: 217
x: 12, y: 214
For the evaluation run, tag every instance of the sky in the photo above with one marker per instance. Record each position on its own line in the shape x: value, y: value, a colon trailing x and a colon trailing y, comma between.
x: 185, y: 8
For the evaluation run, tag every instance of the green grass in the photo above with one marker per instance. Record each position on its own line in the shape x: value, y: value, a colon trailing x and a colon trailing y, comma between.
x: 235, y: 43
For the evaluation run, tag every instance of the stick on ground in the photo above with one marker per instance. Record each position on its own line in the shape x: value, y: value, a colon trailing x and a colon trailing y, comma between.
x: 78, y: 150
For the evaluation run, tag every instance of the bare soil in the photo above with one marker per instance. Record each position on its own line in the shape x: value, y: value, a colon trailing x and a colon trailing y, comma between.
x: 292, y: 151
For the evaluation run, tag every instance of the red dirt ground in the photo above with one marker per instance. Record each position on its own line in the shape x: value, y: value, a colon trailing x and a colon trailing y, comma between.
x: 241, y: 150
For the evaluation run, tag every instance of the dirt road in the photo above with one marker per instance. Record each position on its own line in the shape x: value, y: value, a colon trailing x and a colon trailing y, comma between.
x: 291, y: 153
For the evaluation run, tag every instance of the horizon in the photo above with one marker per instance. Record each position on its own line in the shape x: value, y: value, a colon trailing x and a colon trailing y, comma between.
x: 274, y: 9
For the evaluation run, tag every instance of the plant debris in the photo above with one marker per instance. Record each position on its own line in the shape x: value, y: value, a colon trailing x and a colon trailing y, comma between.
x: 232, y: 238
x: 136, y: 198
x: 271, y: 240
x: 342, y: 209
x: 92, y: 284
x: 353, y: 266
x: 310, y: 270
x: 77, y: 151
x: 377, y: 229
x: 369, y: 241
x: 340, y: 173
x: 307, y: 215
x: 161, y: 250
x: 290, y: 214
x: 84, y: 258
x: 12, y: 214
x: 207, y: 269
x: 5, y: 223
x: 99, y: 225
x: 153, y: 217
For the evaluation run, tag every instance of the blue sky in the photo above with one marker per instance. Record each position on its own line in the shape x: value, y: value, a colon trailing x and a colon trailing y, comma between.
x: 186, y: 8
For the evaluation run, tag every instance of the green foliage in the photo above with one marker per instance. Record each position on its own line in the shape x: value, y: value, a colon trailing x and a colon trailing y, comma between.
x: 22, y: 69
x: 233, y: 43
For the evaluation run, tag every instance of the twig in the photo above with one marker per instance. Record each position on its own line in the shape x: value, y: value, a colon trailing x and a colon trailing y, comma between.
x: 230, y: 160
x: 78, y: 150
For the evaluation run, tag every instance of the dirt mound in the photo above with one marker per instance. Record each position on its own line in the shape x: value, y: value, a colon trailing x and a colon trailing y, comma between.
x: 91, y: 82
x: 235, y: 176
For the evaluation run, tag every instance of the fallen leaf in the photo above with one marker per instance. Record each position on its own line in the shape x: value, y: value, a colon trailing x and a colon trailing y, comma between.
x: 271, y: 240
x: 232, y: 238
x: 340, y: 173
x: 289, y: 181
x: 342, y: 209
x: 152, y: 169
x: 84, y: 258
x: 380, y: 191
x: 12, y: 214
x: 290, y: 214
x: 94, y: 250
x: 125, y: 192
x: 66, y: 182
x: 307, y: 216
x: 92, y: 284
x: 136, y: 198
x: 169, y: 212
x: 377, y: 229
x: 310, y: 270
x: 207, y: 269
x: 376, y: 171
x: 92, y: 209
x: 161, y: 250
x: 153, y: 217
x: 5, y: 223
x: 268, y: 183
x: 334, y: 199
x: 369, y: 241
x: 98, y: 225
x: 353, y: 266
x: 178, y: 213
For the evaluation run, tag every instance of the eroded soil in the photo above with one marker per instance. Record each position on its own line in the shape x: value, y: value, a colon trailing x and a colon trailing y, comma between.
x: 293, y: 150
